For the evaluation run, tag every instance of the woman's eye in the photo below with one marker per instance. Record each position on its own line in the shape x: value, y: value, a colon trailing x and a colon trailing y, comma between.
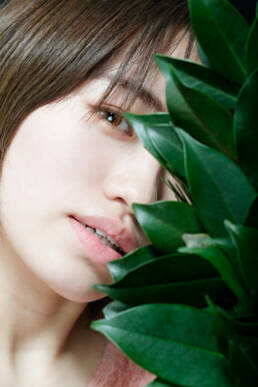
x: 117, y: 120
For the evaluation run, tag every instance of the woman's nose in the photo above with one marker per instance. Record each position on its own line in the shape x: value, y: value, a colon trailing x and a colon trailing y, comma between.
x: 134, y: 180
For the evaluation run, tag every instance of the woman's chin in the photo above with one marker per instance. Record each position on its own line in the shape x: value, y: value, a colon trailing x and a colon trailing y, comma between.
x: 79, y: 288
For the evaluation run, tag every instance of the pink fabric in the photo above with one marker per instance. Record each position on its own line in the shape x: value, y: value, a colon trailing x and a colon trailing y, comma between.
x: 117, y: 370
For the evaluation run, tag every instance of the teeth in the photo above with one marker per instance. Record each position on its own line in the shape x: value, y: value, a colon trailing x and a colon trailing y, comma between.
x: 105, y: 239
x: 101, y: 233
x: 107, y: 243
x: 104, y: 235
x: 89, y: 228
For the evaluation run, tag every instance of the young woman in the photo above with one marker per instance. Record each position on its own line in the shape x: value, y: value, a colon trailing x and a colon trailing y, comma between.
x: 71, y: 167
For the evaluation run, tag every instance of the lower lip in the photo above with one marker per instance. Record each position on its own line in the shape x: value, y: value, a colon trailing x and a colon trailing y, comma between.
x: 93, y: 247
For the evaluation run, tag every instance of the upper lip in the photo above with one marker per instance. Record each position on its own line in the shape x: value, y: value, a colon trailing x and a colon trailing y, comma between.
x: 122, y: 235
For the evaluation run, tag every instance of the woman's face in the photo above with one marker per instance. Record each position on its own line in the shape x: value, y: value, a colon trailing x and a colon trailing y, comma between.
x: 64, y: 162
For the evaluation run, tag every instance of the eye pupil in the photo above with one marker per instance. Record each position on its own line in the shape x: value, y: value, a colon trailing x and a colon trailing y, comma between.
x: 110, y: 117
x: 116, y: 119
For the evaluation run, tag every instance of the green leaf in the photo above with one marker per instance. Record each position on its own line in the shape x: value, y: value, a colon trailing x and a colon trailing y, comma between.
x: 246, y: 128
x: 222, y: 32
x: 162, y: 338
x: 158, y: 136
x: 220, y: 261
x: 204, y: 79
x: 169, y: 268
x: 141, y: 122
x: 130, y: 262
x: 238, y: 322
x: 114, y: 308
x: 220, y: 327
x: 165, y: 140
x: 252, y: 218
x: 160, y: 383
x: 243, y: 355
x: 218, y: 188
x: 202, y: 55
x: 195, y: 112
x: 245, y: 241
x: 164, y: 222
x: 225, y: 244
x: 251, y: 54
x: 185, y: 292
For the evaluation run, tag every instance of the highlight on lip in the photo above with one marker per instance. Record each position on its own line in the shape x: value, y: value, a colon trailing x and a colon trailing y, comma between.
x: 104, y: 238
x: 114, y: 228
x: 94, y: 249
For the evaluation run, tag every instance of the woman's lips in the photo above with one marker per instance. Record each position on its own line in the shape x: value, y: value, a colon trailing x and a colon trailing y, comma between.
x: 93, y: 247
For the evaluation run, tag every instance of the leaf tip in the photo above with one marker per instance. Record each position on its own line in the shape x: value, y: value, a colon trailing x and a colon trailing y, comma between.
x: 100, y: 287
x: 228, y: 224
x: 97, y: 325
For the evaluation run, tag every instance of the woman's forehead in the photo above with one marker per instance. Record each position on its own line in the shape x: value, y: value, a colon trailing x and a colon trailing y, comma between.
x: 154, y: 78
x: 120, y: 75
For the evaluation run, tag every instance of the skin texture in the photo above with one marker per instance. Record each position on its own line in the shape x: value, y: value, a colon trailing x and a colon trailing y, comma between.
x: 64, y: 160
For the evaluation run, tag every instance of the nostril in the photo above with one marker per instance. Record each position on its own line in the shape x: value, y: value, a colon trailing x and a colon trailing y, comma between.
x: 120, y: 200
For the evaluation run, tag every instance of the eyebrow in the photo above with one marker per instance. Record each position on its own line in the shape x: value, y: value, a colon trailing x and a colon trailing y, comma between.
x: 146, y: 95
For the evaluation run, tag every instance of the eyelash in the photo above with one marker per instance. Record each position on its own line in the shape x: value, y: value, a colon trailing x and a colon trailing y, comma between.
x: 107, y: 113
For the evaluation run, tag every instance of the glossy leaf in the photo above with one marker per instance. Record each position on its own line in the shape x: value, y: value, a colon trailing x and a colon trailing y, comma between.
x: 164, y: 222
x: 204, y: 79
x: 114, y: 308
x: 245, y: 241
x: 180, y: 344
x: 158, y: 136
x: 161, y: 338
x: 214, y: 255
x: 192, y: 110
x: 165, y: 140
x: 205, y: 61
x: 218, y: 188
x: 169, y: 268
x: 224, y: 244
x: 160, y: 383
x: 251, y: 54
x: 132, y: 261
x: 238, y: 322
x: 246, y: 128
x: 243, y: 357
x: 141, y: 122
x: 184, y: 292
x: 222, y: 32
x: 220, y: 327
x: 252, y: 218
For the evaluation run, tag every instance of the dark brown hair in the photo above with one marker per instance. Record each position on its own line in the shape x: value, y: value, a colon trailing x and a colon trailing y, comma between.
x: 49, y: 48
